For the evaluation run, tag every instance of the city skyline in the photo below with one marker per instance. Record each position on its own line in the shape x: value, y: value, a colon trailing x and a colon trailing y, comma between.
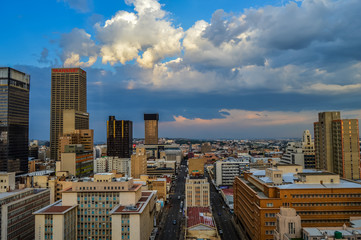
x: 227, y: 73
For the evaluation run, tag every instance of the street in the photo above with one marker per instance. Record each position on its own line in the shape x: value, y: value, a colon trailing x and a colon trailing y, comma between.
x: 169, y: 230
x: 224, y: 220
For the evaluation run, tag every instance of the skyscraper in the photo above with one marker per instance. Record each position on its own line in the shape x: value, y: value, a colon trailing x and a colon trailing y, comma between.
x: 14, y: 120
x: 119, y: 138
x: 337, y: 145
x: 151, y: 128
x: 68, y: 92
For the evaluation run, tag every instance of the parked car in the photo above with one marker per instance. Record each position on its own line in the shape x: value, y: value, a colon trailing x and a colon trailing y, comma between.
x: 219, y: 213
x: 220, y: 231
x: 174, y: 222
x: 178, y: 197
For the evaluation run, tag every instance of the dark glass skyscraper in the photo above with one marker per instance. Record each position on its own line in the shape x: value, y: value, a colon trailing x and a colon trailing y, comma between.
x: 14, y: 120
x: 119, y: 138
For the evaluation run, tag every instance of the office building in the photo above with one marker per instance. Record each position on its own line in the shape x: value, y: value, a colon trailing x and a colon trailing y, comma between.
x: 76, y: 161
x: 7, y: 181
x: 197, y: 192
x: 103, y: 208
x: 139, y: 163
x: 14, y: 120
x: 16, y: 208
x: 84, y: 137
x: 308, y: 150
x: 151, y: 128
x: 226, y: 170
x: 319, y: 198
x: 108, y: 164
x: 337, y: 147
x: 119, y: 138
x: 68, y: 103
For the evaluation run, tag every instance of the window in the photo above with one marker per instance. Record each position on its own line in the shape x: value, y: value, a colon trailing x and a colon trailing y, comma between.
x: 269, y: 204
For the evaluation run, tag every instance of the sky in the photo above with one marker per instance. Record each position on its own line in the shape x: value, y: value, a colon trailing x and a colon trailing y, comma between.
x: 238, y: 69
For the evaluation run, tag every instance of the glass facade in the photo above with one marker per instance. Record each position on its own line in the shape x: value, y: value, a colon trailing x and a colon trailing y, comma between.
x: 14, y: 120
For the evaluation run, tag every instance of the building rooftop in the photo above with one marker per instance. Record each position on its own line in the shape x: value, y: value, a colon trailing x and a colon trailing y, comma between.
x: 37, y: 173
x: 199, y: 215
x: 227, y: 191
x: 55, y: 208
x: 343, y: 184
x: 138, y: 207
x: 17, y: 191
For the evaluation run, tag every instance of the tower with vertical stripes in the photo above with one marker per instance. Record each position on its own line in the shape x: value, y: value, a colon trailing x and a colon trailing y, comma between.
x: 119, y: 137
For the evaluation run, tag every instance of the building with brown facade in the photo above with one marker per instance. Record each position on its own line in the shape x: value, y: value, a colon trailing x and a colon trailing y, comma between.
x: 68, y: 92
x: 319, y: 198
x: 151, y: 128
x: 337, y: 147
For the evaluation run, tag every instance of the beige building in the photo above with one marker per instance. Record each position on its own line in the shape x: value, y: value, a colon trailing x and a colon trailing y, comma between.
x: 76, y: 161
x: 16, y: 208
x: 197, y: 192
x: 196, y: 166
x: 156, y: 184
x: 337, y: 145
x: 7, y: 181
x: 68, y: 91
x: 151, y: 128
x: 81, y: 136
x: 288, y: 224
x: 139, y: 163
x: 105, y: 208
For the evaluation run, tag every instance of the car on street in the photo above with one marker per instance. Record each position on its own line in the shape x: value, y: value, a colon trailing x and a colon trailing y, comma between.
x: 223, y: 207
x: 220, y: 231
x: 219, y: 213
x: 178, y: 197
x: 174, y: 222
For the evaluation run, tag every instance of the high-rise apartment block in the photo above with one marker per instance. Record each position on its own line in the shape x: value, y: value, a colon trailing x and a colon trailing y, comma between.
x: 14, y: 120
x: 337, y: 145
x: 68, y: 104
x: 104, y: 208
x: 151, y: 128
x: 119, y: 138
x: 16, y: 212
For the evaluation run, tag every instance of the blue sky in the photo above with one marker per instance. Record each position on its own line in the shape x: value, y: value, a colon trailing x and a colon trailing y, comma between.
x: 211, y: 68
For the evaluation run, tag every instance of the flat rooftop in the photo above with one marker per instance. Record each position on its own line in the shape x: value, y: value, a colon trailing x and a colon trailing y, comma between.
x: 138, y: 207
x: 55, y: 208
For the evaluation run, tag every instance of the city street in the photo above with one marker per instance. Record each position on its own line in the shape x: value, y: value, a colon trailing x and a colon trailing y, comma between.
x: 224, y: 220
x: 169, y: 230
